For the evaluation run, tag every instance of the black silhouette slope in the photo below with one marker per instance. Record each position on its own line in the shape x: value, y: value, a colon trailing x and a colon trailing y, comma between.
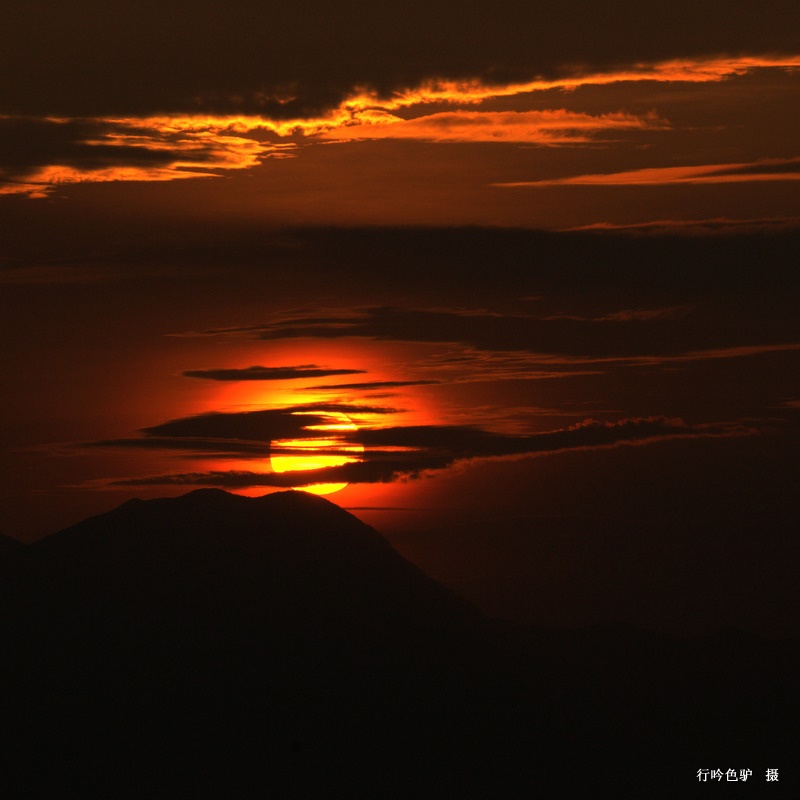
x: 289, y: 559
x: 211, y: 643
x: 208, y: 638
x: 7, y: 543
x: 8, y: 546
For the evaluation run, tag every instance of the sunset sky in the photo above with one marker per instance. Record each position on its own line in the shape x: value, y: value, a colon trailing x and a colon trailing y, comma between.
x: 537, y: 264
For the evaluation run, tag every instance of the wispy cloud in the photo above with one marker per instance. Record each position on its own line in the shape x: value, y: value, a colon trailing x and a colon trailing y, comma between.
x: 240, y: 433
x: 258, y: 373
x: 44, y: 153
x: 370, y: 385
x: 551, y: 128
x: 697, y: 227
x: 488, y: 365
x: 515, y: 346
x: 406, y: 453
x: 768, y: 169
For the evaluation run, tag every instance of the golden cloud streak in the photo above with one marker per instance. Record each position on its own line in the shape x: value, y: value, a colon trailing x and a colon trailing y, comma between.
x: 475, y: 91
x: 188, y: 149
x: 196, y: 145
x: 367, y: 106
x: 544, y: 127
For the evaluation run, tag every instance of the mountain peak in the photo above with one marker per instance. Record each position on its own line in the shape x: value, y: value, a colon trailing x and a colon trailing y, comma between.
x: 294, y: 556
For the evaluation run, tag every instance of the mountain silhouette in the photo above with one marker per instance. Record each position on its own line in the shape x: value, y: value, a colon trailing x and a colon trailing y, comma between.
x: 8, y: 546
x: 200, y: 638
x: 290, y: 560
x: 216, y: 643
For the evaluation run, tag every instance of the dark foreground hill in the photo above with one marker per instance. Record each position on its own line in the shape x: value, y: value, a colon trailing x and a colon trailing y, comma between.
x: 279, y: 647
x: 8, y: 546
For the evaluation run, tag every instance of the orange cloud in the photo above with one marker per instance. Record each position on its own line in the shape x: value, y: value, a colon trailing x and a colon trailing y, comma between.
x: 39, y: 183
x: 767, y: 169
x: 157, y: 149
x: 476, y: 91
x: 543, y: 127
x: 368, y: 107
x: 186, y: 146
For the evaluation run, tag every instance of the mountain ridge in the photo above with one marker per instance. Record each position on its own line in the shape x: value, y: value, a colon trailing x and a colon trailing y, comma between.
x: 210, y: 540
x: 213, y: 640
x: 278, y: 628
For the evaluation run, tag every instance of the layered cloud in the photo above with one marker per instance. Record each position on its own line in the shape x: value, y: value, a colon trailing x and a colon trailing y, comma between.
x: 552, y: 127
x: 370, y: 385
x: 494, y: 346
x: 242, y: 434
x: 475, y: 91
x: 41, y: 152
x: 388, y: 450
x: 410, y: 452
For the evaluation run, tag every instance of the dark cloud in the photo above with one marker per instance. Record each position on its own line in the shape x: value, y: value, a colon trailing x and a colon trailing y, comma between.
x: 564, y: 271
x: 343, y: 408
x: 216, y: 447
x: 69, y: 150
x: 698, y: 227
x: 290, y: 59
x: 239, y: 434
x: 789, y: 166
x: 37, y: 154
x: 374, y: 385
x: 470, y: 442
x: 268, y: 373
x: 413, y: 451
x: 248, y: 426
x: 619, y: 335
x: 233, y: 479
x: 28, y: 143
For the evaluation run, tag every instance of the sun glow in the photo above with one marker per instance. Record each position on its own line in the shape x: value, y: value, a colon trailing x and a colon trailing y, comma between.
x: 329, y: 449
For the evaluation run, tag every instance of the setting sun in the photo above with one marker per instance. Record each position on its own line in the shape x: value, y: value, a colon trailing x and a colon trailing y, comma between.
x: 330, y: 449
